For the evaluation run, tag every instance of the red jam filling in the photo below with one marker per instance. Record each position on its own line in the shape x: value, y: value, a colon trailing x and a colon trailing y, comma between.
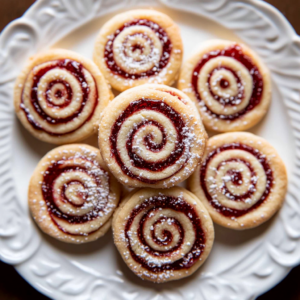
x: 137, y: 161
x: 232, y: 101
x: 148, y: 139
x: 176, y: 204
x: 76, y: 69
x: 224, y: 83
x: 166, y: 50
x: 58, y: 94
x: 167, y: 235
x: 235, y: 52
x: 237, y: 179
x: 52, y: 173
x: 82, y: 195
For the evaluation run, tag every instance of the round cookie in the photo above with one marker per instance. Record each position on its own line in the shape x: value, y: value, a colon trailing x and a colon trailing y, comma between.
x: 150, y: 138
x: 71, y: 194
x: 229, y: 83
x: 139, y: 46
x: 242, y: 180
x: 163, y: 235
x: 59, y: 96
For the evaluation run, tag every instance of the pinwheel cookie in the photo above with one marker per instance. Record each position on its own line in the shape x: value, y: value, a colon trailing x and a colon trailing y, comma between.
x: 163, y: 235
x: 72, y: 195
x: 151, y: 136
x: 59, y: 96
x: 229, y: 83
x: 137, y: 47
x: 242, y: 180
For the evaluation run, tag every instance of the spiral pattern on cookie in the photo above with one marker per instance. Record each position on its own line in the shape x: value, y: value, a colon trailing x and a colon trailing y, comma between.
x: 227, y: 83
x: 140, y: 48
x: 74, y: 190
x: 59, y: 96
x: 150, y: 141
x: 242, y: 181
x: 146, y: 137
x: 161, y: 229
x: 236, y: 178
x: 163, y: 234
x: 76, y: 195
x: 137, y: 47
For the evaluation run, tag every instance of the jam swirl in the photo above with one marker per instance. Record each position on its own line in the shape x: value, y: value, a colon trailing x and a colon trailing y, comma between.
x: 141, y: 53
x: 163, y: 250
x: 246, y: 179
x: 226, y: 83
x: 59, y: 97
x: 76, y: 191
x: 139, y: 167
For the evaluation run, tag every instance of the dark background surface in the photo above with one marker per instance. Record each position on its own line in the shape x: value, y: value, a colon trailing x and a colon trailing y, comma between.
x: 13, y: 287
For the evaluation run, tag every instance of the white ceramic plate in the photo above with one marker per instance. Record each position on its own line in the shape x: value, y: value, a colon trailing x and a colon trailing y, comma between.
x: 242, y: 265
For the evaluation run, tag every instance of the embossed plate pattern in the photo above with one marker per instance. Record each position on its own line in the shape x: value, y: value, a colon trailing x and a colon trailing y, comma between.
x: 242, y: 265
